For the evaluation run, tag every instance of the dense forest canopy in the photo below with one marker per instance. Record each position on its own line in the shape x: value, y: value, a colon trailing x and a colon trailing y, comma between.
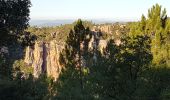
x: 136, y: 69
x: 156, y: 26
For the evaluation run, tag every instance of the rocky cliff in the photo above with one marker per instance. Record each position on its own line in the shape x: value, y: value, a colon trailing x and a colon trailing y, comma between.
x: 44, y: 58
x: 116, y: 31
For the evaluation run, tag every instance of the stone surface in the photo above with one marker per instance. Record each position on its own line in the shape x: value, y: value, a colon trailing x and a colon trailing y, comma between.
x: 103, y: 28
x: 38, y: 58
x: 53, y: 54
x: 102, y: 45
x: 29, y: 56
x: 44, y: 58
x: 106, y: 29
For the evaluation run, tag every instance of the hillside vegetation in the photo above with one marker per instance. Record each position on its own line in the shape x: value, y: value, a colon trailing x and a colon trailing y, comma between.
x: 138, y: 68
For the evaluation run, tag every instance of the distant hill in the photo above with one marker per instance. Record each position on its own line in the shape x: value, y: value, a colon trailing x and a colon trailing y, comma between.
x: 43, y: 23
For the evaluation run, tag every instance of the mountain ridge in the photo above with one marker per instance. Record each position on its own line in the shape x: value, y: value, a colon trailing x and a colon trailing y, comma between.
x: 57, y: 22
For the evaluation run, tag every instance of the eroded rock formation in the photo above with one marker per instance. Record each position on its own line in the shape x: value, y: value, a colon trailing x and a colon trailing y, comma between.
x: 38, y: 58
x: 44, y: 58
x: 29, y: 56
x: 105, y: 29
x: 53, y: 64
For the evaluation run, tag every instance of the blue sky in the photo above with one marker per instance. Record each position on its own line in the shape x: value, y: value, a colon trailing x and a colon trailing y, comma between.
x: 93, y: 9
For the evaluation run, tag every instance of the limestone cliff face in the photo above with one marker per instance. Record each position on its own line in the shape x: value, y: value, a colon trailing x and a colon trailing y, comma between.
x: 100, y: 44
x: 53, y: 57
x: 44, y: 58
x: 105, y: 28
x: 116, y: 30
x: 38, y: 58
x: 29, y: 56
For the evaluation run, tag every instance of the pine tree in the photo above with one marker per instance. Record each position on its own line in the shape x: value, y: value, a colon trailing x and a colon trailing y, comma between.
x: 14, y: 18
x: 75, y: 51
x: 143, y: 22
x: 156, y: 27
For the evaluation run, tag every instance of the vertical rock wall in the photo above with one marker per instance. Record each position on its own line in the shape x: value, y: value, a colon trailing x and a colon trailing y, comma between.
x: 44, y: 58
x: 29, y: 56
x: 38, y: 58
x: 53, y: 65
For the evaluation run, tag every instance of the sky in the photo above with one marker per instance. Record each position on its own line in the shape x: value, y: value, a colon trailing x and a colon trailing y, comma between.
x: 93, y: 9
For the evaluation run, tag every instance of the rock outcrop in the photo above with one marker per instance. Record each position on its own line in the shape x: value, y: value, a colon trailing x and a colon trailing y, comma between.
x: 38, y: 58
x: 53, y: 64
x: 44, y: 58
x: 28, y: 56
x: 102, y: 45
x: 104, y: 29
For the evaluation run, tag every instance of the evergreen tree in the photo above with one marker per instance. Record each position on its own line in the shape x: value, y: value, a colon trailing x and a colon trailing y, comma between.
x: 156, y: 27
x: 126, y: 63
x: 143, y: 22
x: 14, y: 18
x: 75, y: 51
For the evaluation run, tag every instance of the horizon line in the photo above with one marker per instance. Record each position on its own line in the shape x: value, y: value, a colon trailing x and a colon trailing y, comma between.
x: 104, y: 19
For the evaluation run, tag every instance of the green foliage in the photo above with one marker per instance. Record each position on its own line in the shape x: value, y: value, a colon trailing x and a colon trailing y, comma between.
x: 4, y: 67
x: 73, y: 75
x: 123, y: 67
x: 155, y: 26
x: 69, y: 85
x: 80, y: 36
x: 143, y: 22
x: 135, y: 70
x: 24, y: 88
x: 22, y: 66
x: 14, y: 18
x: 27, y: 39
x: 153, y: 85
x: 62, y: 31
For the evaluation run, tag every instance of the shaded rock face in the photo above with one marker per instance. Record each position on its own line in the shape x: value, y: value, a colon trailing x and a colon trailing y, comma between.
x: 96, y: 44
x: 44, y: 58
x: 29, y: 56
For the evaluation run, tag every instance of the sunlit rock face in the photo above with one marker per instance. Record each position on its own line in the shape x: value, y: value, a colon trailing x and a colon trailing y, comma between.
x: 104, y: 28
x: 102, y: 45
x: 54, y: 66
x: 38, y: 58
x: 117, y: 42
x: 44, y: 58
